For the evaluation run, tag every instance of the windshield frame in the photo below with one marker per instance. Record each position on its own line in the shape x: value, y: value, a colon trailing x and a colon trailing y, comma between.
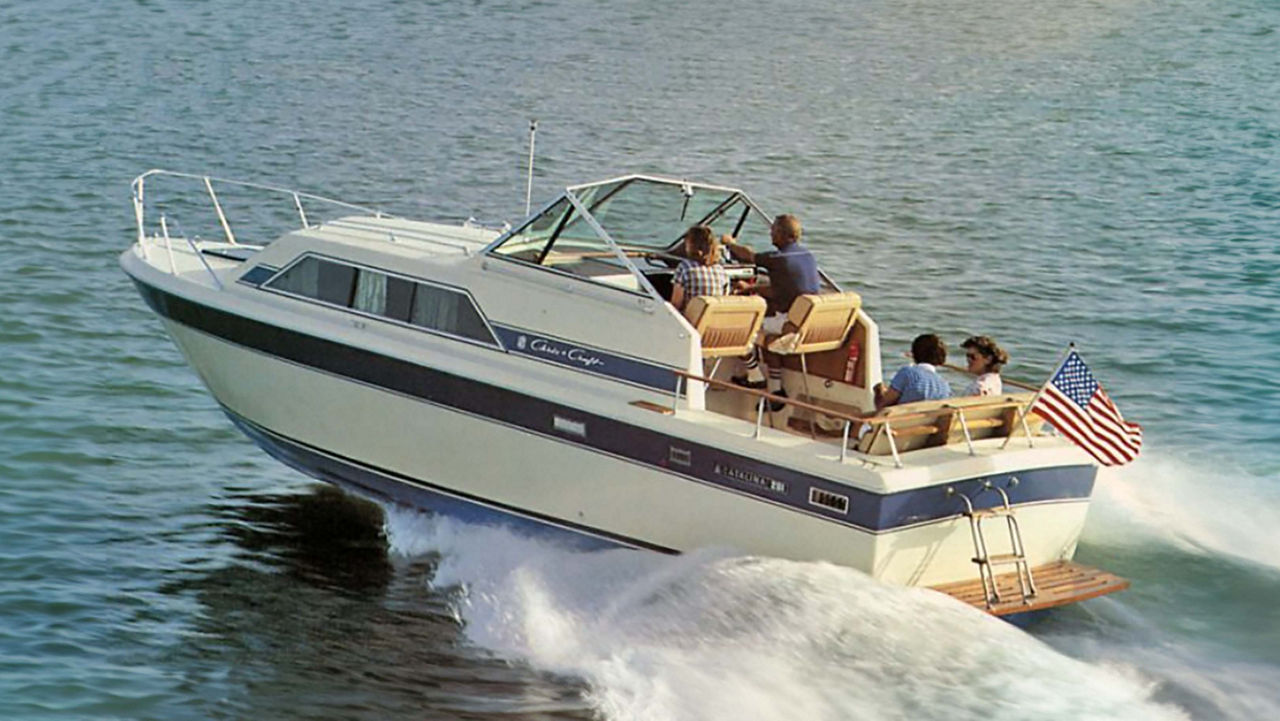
x: 581, y: 199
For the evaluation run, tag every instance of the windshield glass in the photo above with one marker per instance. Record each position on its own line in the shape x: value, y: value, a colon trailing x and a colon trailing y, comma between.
x: 650, y: 214
x: 645, y: 217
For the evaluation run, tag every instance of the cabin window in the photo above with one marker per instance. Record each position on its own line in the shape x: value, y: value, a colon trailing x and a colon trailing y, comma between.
x: 320, y: 279
x: 377, y: 293
x: 399, y: 298
x: 448, y: 311
x: 258, y: 274
x: 371, y: 292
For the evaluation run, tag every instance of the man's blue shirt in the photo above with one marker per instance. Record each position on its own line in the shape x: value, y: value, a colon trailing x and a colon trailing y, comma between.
x: 920, y: 382
x: 793, y: 271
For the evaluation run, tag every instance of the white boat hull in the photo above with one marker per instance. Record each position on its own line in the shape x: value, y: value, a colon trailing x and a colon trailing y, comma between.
x: 442, y: 458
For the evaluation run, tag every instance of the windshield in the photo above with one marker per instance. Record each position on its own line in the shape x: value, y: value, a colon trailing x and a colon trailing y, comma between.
x: 648, y: 214
x: 645, y: 217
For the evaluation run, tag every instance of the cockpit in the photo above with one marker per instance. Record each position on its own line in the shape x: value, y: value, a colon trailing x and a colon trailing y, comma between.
x: 627, y: 232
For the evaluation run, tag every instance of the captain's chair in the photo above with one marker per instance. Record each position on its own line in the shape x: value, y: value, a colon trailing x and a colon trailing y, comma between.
x: 728, y: 324
x: 817, y: 323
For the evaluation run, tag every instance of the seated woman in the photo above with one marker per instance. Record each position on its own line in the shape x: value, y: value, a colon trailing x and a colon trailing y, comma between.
x: 985, y: 361
x: 919, y: 381
x: 700, y: 273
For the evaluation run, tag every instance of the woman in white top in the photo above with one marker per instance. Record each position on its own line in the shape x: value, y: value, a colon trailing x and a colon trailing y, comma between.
x: 985, y: 361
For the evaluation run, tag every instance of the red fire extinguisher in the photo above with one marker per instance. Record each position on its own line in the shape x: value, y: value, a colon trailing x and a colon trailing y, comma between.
x: 851, y: 363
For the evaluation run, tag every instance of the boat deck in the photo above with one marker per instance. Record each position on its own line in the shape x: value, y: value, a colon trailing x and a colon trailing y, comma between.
x: 1057, y: 584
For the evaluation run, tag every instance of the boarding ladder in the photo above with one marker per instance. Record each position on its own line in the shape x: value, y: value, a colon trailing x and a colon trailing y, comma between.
x: 987, y: 563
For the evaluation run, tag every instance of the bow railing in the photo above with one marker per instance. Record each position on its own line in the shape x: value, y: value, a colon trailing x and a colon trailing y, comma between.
x: 138, y: 188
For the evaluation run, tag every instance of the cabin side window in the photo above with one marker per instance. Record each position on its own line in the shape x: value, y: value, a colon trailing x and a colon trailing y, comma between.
x: 376, y: 293
x: 371, y: 292
x: 449, y: 311
x: 320, y: 279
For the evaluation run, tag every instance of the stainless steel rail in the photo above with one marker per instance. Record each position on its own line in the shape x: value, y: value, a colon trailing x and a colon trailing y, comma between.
x: 138, y: 190
x: 683, y: 378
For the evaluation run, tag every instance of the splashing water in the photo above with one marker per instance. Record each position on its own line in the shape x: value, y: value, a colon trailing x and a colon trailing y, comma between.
x: 714, y: 635
x: 1193, y: 505
x: 1197, y: 538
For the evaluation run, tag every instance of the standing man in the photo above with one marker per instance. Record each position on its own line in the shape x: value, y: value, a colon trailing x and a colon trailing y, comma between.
x: 793, y: 271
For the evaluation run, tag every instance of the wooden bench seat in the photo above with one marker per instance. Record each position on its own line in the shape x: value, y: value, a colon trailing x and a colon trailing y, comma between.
x: 927, y: 424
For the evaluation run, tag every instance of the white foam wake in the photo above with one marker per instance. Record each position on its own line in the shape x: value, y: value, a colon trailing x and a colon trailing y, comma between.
x: 713, y: 635
x: 1214, y: 506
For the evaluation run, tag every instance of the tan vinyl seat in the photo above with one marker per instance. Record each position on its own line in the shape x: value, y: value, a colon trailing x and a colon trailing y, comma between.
x: 821, y: 323
x: 727, y: 324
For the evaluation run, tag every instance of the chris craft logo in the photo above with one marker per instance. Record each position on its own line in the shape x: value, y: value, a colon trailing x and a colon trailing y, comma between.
x: 751, y: 478
x: 559, y: 352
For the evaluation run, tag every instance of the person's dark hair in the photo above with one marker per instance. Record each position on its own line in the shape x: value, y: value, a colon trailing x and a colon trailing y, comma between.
x: 996, y: 355
x: 704, y: 247
x: 929, y: 348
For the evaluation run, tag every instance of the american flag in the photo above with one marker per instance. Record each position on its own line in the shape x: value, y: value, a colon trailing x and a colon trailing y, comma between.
x: 1074, y: 402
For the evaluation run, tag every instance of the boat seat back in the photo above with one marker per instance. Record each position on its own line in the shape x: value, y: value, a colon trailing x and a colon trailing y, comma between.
x: 925, y: 424
x: 909, y: 433
x: 822, y: 321
x: 986, y: 416
x: 727, y: 324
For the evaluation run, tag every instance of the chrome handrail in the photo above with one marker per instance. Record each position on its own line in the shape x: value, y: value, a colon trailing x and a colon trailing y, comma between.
x: 848, y: 418
x: 138, y: 190
x: 137, y: 187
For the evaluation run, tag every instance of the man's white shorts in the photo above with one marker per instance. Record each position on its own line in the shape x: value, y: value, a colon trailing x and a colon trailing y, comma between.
x: 773, y: 323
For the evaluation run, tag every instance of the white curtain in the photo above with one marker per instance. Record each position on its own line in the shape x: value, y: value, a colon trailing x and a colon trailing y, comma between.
x: 371, y: 292
x: 303, y: 279
x: 435, y: 308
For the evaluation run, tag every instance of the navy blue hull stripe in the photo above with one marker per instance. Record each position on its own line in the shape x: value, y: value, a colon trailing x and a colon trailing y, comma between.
x: 707, y: 464
x: 415, y: 492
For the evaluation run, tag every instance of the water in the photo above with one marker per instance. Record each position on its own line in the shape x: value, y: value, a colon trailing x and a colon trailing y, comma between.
x: 1104, y: 173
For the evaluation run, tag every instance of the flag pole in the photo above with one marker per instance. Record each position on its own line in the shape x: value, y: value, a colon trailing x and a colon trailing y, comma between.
x: 1022, y: 414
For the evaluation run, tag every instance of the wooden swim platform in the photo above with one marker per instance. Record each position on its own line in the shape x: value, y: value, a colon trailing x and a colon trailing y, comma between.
x: 1057, y: 584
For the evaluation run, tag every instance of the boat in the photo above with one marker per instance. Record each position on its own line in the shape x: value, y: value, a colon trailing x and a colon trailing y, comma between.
x: 536, y: 376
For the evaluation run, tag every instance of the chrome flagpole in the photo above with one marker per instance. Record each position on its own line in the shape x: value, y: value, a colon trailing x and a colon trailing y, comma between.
x: 1022, y: 415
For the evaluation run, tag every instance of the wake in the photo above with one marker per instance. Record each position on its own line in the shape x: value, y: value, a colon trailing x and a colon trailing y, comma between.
x: 715, y: 635
x: 1194, y: 505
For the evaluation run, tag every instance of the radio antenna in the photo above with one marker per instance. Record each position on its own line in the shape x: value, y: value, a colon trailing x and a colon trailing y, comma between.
x: 528, y: 188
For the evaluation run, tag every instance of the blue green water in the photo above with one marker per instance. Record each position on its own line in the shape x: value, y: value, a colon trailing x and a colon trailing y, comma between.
x: 1103, y: 173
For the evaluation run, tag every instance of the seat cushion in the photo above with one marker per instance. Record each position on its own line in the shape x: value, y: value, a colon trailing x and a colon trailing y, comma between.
x: 727, y: 324
x: 823, y: 320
